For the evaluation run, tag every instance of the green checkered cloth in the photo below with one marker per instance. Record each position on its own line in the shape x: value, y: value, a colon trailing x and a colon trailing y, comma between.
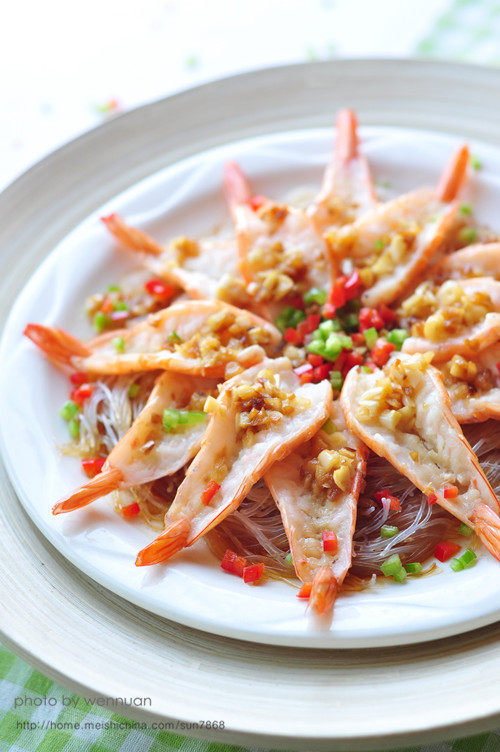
x: 38, y: 715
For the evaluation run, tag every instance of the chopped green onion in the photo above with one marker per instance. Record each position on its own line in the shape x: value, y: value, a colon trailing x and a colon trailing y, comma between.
x: 391, y: 565
x: 336, y: 380
x: 101, y: 322
x: 468, y: 557
x: 114, y: 288
x: 475, y: 162
x: 414, y: 568
x: 397, y: 337
x: 173, y: 418
x: 389, y: 531
x: 456, y: 565
x: 334, y: 344
x: 74, y: 428
x: 315, y: 295
x: 289, y: 559
x: 465, y: 529
x: 174, y: 337
x: 69, y: 410
x: 378, y: 244
x: 366, y: 369
x: 401, y: 575
x: 289, y: 317
x: 194, y: 417
x: 133, y: 390
x: 329, y: 426
x: 371, y: 336
x: 170, y: 418
x: 467, y: 234
x: 466, y: 209
x: 331, y: 326
x: 119, y: 344
x: 120, y: 305
x: 317, y: 347
x: 351, y: 322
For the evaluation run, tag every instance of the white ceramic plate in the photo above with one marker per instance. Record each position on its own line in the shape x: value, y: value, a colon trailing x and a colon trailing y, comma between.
x: 192, y: 589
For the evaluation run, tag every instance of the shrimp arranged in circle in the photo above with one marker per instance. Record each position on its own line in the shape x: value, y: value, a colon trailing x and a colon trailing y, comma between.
x: 166, y: 434
x: 260, y: 416
x: 206, y: 268
x: 198, y: 337
x: 316, y: 489
x: 403, y: 413
x: 479, y: 260
x: 392, y: 244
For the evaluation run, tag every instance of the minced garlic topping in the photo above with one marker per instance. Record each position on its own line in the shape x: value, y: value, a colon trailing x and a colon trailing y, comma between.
x: 392, y: 399
x: 439, y: 313
x: 331, y: 467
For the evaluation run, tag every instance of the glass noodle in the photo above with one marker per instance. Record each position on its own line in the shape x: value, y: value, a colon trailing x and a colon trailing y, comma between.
x: 255, y: 530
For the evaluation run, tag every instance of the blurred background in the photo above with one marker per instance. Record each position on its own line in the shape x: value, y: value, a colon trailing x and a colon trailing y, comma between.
x: 66, y: 65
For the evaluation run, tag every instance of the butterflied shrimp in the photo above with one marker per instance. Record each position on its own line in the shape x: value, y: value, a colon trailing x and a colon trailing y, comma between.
x: 316, y: 489
x: 456, y: 318
x: 281, y: 253
x: 480, y: 260
x: 206, y: 268
x: 403, y: 413
x: 392, y: 244
x: 347, y: 191
x: 474, y: 385
x: 259, y: 417
x: 166, y: 434
x: 198, y: 337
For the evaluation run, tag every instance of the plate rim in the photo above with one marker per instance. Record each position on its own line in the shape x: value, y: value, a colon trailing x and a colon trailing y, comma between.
x: 8, y: 200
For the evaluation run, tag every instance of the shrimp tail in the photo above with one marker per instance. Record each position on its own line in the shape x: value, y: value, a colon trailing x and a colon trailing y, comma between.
x: 487, y: 526
x: 172, y: 540
x: 324, y: 590
x: 131, y: 237
x: 346, y: 147
x: 237, y: 189
x: 59, y: 346
x: 454, y: 174
x: 103, y: 483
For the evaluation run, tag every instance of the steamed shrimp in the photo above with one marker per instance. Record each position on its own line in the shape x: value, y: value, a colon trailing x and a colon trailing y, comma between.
x: 150, y: 449
x: 316, y: 489
x: 403, y: 413
x: 259, y: 417
x: 392, y: 244
x: 206, y: 268
x: 347, y: 191
x: 281, y: 253
x: 199, y: 337
x: 457, y: 318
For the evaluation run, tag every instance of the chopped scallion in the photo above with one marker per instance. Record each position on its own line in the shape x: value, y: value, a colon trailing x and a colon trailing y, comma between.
x: 465, y: 529
x: 329, y: 426
x: 401, y: 575
x: 101, y: 322
x: 378, y: 244
x: 315, y: 295
x: 120, y: 305
x: 466, y: 209
x: 397, y: 337
x: 467, y: 234
x: 414, y: 567
x: 371, y: 336
x: 74, y: 428
x: 475, y: 162
x: 174, y: 337
x: 391, y: 565
x: 114, y: 288
x: 289, y: 559
x: 69, y: 410
x: 133, y: 390
x: 119, y: 344
x: 389, y: 531
x: 336, y: 380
